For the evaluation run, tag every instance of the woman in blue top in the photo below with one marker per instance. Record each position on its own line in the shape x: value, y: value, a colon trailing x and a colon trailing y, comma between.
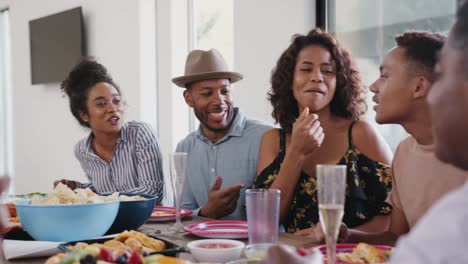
x: 317, y: 98
x: 116, y: 156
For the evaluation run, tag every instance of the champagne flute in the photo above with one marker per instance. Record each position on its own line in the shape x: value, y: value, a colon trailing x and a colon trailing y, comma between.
x: 178, y: 168
x: 331, y: 181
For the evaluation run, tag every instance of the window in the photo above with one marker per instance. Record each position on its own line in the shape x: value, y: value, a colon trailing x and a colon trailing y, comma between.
x: 5, y: 96
x: 368, y: 27
x: 212, y: 26
x: 208, y: 24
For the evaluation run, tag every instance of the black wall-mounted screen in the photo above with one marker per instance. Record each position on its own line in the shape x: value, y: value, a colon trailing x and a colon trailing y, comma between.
x: 57, y: 43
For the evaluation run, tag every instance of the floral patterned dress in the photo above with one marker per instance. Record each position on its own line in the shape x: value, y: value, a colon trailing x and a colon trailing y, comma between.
x: 368, y: 184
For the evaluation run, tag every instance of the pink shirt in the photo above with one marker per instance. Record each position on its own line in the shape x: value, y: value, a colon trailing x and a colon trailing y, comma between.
x: 420, y: 179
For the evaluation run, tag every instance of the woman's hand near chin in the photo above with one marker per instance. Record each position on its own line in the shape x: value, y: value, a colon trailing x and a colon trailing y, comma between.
x: 307, y: 134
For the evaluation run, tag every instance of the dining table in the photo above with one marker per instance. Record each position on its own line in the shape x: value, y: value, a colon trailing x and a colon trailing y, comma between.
x: 161, y: 230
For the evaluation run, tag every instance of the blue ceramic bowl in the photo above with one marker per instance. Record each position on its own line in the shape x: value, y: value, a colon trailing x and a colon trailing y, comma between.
x: 133, y: 214
x: 66, y: 222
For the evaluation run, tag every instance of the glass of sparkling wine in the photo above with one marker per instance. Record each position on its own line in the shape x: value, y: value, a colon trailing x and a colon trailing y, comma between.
x: 331, y: 181
x: 178, y: 168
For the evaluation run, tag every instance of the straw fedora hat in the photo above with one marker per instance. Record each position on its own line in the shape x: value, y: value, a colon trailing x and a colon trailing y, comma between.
x: 204, y: 65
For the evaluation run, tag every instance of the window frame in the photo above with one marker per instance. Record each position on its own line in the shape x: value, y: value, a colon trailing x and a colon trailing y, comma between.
x: 6, y: 125
x: 390, y: 132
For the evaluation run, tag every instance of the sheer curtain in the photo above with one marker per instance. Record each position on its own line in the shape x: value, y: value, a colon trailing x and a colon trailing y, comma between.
x: 5, y: 96
x: 211, y: 26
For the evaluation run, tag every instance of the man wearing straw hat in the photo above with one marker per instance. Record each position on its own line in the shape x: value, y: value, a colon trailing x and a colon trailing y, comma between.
x: 223, y: 151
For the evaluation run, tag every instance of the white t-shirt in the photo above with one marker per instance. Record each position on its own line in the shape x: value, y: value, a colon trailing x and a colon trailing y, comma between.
x: 441, y: 236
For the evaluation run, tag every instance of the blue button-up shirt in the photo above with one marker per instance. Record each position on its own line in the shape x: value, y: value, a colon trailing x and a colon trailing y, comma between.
x: 233, y: 157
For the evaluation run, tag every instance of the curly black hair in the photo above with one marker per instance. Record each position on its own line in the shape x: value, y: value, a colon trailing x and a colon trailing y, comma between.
x: 349, y: 98
x: 81, y: 78
x: 421, y: 48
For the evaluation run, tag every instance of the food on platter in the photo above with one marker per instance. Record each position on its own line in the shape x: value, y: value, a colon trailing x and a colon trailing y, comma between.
x: 146, y: 241
x: 363, y: 253
x: 104, y: 256
x: 129, y: 247
x: 127, y: 240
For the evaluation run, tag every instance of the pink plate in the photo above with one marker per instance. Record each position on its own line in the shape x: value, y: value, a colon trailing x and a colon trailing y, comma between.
x: 219, y: 229
x: 348, y: 248
x: 167, y: 213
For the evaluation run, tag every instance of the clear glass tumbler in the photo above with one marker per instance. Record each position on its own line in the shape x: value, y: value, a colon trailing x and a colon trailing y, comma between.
x: 263, y: 215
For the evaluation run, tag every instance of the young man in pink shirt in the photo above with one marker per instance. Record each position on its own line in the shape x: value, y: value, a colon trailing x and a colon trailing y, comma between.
x: 406, y: 77
x: 441, y: 235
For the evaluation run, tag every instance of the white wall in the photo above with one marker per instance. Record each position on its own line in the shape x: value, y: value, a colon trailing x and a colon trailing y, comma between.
x: 121, y: 34
x: 262, y: 31
x: 44, y: 130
